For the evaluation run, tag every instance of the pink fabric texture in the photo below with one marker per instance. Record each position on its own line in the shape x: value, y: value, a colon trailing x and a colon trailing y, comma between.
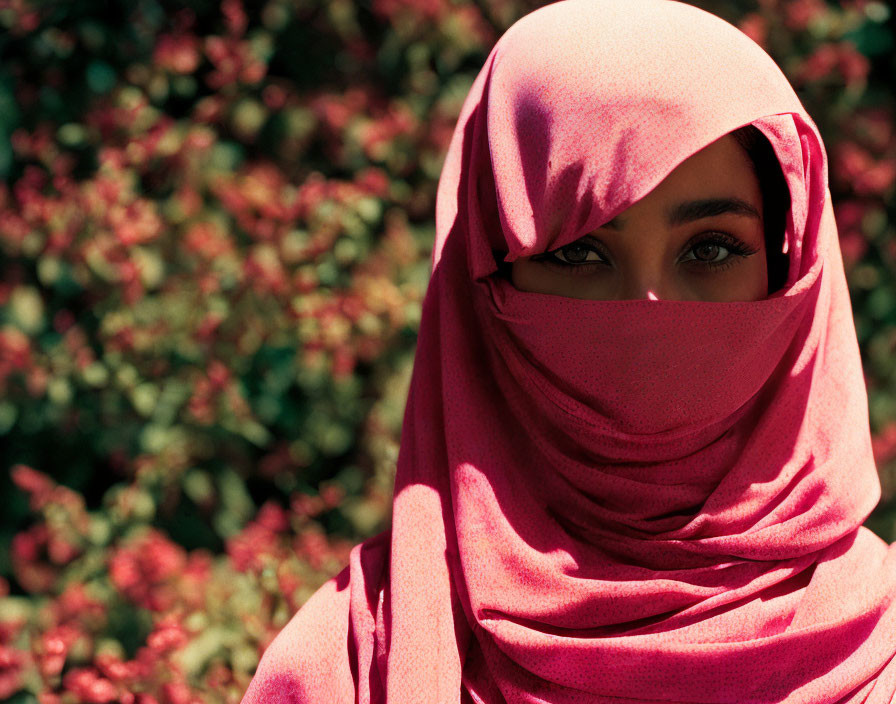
x: 615, y: 501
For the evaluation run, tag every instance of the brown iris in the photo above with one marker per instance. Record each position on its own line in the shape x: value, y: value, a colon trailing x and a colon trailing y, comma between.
x: 706, y: 251
x: 575, y: 253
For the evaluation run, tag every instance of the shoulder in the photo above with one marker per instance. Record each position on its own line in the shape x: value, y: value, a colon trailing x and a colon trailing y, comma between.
x: 312, y: 660
x: 308, y: 660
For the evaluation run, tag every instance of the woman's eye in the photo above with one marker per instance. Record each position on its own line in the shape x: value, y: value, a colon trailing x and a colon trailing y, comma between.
x: 718, y: 251
x: 710, y: 252
x: 577, y: 253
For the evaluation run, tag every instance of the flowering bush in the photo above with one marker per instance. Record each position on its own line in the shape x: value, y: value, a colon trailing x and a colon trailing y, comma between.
x: 215, y: 222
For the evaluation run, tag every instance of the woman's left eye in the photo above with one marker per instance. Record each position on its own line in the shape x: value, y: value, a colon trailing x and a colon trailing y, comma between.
x: 709, y: 252
x: 717, y: 250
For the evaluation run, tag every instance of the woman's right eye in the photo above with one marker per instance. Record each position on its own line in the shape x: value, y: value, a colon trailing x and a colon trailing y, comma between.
x: 574, y: 253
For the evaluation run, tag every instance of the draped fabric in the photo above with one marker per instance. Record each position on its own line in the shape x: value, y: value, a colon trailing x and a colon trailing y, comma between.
x: 615, y: 501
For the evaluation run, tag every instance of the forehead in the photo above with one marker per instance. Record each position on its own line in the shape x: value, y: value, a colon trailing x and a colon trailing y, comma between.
x: 717, y: 169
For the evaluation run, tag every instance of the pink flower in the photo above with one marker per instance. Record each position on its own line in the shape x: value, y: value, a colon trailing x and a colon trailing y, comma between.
x: 13, y: 663
x: 115, y: 670
x: 168, y: 635
x: 373, y: 180
x: 208, y: 389
x: 28, y: 557
x: 37, y: 484
x: 755, y: 27
x: 799, y: 13
x: 52, y: 649
x: 867, y: 175
x: 234, y: 62
x: 265, y: 272
x: 177, y: 53
x: 195, y: 579
x: 335, y: 111
x: 143, y: 570
x: 343, y: 362
x: 831, y: 59
x: 253, y: 548
x: 89, y: 686
x: 177, y: 692
x: 272, y: 517
x: 15, y: 353
x: 208, y: 327
x: 234, y: 16
x: 76, y: 606
x: 312, y: 546
x: 376, y: 134
x: 208, y: 241
x: 332, y: 494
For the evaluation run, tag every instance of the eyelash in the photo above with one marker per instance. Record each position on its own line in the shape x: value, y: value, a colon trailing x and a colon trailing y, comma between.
x: 736, y: 249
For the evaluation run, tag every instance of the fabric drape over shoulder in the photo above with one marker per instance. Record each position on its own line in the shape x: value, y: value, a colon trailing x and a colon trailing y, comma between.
x: 615, y: 501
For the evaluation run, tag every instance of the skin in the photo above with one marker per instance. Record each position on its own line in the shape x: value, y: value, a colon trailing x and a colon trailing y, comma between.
x: 710, y: 253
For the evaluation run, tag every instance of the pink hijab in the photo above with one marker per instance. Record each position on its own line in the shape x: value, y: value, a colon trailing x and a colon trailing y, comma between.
x: 615, y: 501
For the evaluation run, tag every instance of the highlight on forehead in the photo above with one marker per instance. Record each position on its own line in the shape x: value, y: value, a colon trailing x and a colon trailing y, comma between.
x: 693, y: 210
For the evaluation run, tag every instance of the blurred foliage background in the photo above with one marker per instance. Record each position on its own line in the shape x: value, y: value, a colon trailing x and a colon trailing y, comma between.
x: 215, y: 229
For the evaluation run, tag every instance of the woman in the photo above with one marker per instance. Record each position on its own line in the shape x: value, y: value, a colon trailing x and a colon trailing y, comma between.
x: 635, y: 459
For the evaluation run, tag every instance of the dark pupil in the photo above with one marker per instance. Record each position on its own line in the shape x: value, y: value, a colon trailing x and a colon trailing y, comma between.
x: 575, y: 253
x: 711, y: 250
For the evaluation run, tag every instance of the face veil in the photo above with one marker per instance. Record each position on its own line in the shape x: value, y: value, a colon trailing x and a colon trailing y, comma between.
x: 618, y: 501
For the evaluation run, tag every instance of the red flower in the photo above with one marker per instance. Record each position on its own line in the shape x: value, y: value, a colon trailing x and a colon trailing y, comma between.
x: 253, y: 548
x: 76, y: 607
x: 332, y: 494
x: 306, y: 505
x: 177, y: 53
x: 28, y: 556
x: 89, y: 686
x: 52, y: 649
x: 866, y: 174
x: 799, y: 13
x: 208, y: 241
x: 12, y: 668
x: 115, y: 670
x: 830, y: 59
x: 755, y: 27
x: 374, y: 180
x: 313, y: 546
x: 234, y: 16
x: 264, y: 271
x: 32, y: 482
x: 343, y: 362
x: 143, y: 570
x: 234, y: 62
x: 15, y: 353
x: 168, y: 635
x: 177, y: 692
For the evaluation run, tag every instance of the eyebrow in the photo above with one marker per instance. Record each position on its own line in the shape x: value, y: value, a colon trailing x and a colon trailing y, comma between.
x: 692, y: 210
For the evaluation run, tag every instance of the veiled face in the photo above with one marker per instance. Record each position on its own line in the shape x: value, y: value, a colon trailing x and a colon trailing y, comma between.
x: 698, y: 236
